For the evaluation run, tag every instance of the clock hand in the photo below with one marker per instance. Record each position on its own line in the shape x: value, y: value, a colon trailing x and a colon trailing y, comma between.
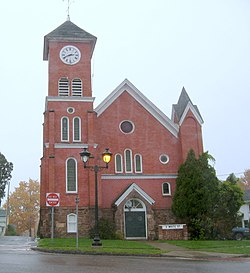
x: 70, y: 54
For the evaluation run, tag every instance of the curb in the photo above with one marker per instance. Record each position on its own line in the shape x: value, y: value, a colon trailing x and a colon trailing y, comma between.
x: 193, y: 256
x: 79, y: 252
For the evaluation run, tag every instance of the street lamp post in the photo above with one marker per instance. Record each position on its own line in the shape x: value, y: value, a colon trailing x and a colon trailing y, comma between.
x: 77, y: 232
x: 106, y: 157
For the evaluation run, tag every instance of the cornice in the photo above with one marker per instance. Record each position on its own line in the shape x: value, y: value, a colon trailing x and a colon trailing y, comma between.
x: 137, y: 176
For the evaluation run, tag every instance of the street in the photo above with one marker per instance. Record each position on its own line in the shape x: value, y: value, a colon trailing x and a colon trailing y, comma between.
x: 16, y: 257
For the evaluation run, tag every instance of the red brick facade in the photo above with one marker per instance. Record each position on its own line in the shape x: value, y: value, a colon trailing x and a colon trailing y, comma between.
x: 132, y: 193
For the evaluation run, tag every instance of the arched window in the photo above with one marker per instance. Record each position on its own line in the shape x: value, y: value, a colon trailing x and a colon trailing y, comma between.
x: 135, y: 205
x: 128, y: 161
x: 76, y: 129
x: 65, y: 129
x: 63, y: 87
x: 71, y: 223
x: 71, y: 175
x: 138, y: 163
x: 166, y: 189
x: 118, y: 163
x: 77, y: 87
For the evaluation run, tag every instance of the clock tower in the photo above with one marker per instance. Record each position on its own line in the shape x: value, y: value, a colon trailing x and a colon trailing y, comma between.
x: 68, y: 123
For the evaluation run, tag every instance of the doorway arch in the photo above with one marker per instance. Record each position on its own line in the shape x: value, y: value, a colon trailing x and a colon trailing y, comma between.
x: 135, y: 219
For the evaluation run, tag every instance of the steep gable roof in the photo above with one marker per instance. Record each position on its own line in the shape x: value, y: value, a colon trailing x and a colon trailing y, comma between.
x: 182, y: 107
x: 134, y: 187
x: 127, y: 86
x: 67, y: 31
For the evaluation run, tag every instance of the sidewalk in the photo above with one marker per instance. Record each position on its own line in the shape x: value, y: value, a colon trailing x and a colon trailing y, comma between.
x: 176, y: 251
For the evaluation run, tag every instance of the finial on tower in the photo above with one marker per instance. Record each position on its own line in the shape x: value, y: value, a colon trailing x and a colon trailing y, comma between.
x: 69, y: 3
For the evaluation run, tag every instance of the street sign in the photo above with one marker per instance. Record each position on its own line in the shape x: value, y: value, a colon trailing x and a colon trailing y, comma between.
x: 52, y: 199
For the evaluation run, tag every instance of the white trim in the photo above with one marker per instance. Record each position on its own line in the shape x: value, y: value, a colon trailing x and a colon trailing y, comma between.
x: 135, y: 187
x: 66, y: 172
x: 125, y: 161
x: 70, y: 98
x: 169, y: 189
x: 67, y: 99
x: 133, y: 125
x: 69, y: 111
x: 121, y: 163
x: 140, y: 163
x: 127, y: 86
x: 192, y: 109
x: 68, y: 222
x: 135, y: 209
x: 137, y: 176
x: 62, y: 129
x: 162, y: 162
x: 80, y: 133
x: 73, y: 145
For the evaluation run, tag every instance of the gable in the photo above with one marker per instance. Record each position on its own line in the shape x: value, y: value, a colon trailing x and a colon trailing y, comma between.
x: 183, y: 106
x: 140, y: 191
x: 190, y: 107
x: 127, y: 86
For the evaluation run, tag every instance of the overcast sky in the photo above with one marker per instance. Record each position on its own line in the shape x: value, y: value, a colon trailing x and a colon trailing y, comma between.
x: 159, y: 45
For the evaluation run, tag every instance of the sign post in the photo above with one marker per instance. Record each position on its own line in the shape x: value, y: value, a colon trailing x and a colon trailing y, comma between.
x: 52, y: 200
x: 52, y: 222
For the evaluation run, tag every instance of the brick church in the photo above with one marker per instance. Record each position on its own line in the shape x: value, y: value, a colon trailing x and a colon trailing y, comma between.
x: 136, y: 190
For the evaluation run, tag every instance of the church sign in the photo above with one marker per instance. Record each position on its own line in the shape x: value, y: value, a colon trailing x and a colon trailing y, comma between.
x: 174, y: 226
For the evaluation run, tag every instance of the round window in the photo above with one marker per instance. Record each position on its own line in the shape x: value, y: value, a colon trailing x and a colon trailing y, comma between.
x: 164, y: 158
x: 127, y: 127
x: 70, y: 110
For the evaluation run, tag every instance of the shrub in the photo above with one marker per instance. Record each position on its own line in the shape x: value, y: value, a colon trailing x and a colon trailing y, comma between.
x: 107, y: 229
x: 11, y: 230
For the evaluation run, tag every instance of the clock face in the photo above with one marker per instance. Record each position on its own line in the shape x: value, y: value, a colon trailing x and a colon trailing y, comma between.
x: 70, y: 54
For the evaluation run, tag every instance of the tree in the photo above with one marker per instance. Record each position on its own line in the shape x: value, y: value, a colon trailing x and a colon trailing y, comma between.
x: 5, y: 174
x: 208, y: 206
x: 196, y: 194
x: 232, y: 179
x: 24, y: 206
x: 245, y: 180
x: 229, y: 202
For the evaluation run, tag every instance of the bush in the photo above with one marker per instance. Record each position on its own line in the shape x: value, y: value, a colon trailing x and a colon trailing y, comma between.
x: 107, y: 229
x: 196, y: 230
x: 11, y: 230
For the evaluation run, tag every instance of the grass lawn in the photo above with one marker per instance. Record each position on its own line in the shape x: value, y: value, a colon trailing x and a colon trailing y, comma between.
x: 227, y: 246
x: 142, y: 247
x: 108, y: 246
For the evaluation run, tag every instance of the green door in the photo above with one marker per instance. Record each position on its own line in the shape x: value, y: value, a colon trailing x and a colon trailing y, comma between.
x: 135, y: 224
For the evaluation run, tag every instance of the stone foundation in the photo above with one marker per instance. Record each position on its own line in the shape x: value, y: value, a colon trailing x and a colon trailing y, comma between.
x: 86, y: 221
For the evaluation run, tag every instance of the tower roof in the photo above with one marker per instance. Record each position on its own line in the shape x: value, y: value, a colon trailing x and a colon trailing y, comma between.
x: 70, y: 32
x: 183, y: 103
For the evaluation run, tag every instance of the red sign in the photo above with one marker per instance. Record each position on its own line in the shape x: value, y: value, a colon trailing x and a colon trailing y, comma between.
x: 52, y: 199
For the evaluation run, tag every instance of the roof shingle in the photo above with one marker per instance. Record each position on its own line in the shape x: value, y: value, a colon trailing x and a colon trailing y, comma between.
x: 67, y: 31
